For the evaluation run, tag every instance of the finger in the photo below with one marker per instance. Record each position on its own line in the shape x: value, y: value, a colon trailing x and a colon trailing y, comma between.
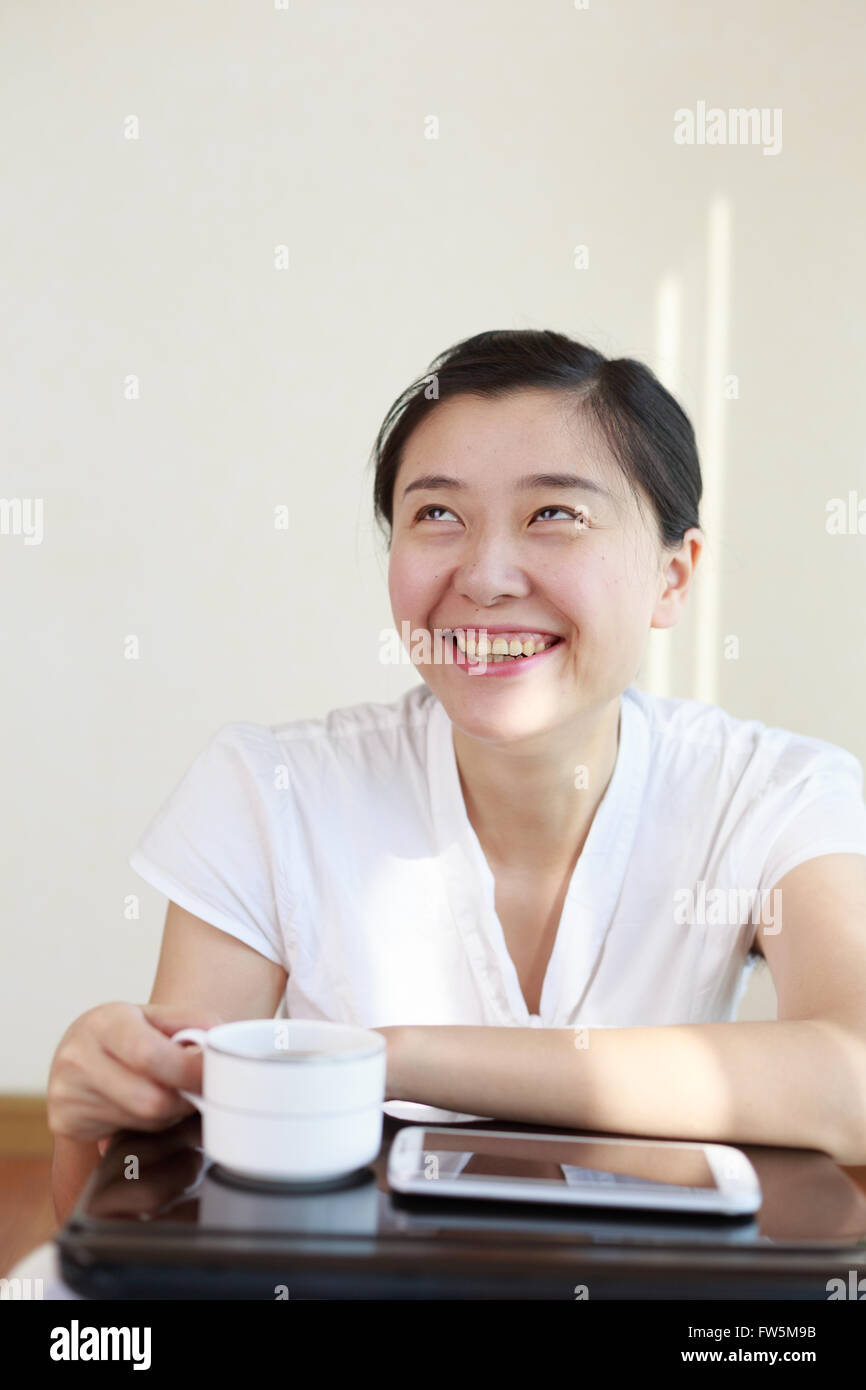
x: 143, y: 1047
x: 170, y: 1018
x: 104, y: 1089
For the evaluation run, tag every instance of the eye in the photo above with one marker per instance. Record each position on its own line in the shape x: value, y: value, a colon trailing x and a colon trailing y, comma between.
x: 581, y: 516
x: 422, y: 515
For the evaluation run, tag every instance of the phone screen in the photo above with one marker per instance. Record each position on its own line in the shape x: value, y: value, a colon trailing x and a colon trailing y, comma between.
x: 566, y: 1162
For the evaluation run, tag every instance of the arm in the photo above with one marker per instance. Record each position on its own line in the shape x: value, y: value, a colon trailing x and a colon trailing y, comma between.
x: 72, y: 1162
x: 798, y: 1081
x: 202, y: 966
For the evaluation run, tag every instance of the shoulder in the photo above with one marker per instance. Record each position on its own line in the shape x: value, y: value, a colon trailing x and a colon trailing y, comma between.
x: 348, y: 731
x: 361, y: 737
x: 746, y: 757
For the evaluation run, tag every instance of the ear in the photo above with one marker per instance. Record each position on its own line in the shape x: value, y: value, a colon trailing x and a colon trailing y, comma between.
x: 677, y: 570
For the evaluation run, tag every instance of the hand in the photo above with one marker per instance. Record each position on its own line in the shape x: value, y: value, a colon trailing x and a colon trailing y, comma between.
x: 116, y: 1068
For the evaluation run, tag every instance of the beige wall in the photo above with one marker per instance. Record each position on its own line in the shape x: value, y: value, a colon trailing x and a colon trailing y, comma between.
x: 154, y: 257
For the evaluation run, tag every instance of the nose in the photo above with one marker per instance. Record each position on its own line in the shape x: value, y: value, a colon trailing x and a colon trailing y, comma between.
x: 487, y: 572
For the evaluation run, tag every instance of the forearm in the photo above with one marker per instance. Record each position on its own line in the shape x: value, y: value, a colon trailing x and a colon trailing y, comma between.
x: 798, y: 1083
x: 72, y: 1163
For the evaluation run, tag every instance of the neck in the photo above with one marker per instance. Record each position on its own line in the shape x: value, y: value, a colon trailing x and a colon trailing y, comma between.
x: 522, y: 801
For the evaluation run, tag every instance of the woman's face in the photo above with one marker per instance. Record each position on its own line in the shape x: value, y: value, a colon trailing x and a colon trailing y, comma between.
x: 493, y: 547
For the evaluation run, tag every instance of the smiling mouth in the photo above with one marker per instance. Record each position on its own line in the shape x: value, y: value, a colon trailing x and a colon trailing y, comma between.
x: 517, y: 647
x: 499, y: 663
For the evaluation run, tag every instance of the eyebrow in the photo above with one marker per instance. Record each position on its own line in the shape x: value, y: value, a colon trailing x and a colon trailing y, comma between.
x: 570, y: 482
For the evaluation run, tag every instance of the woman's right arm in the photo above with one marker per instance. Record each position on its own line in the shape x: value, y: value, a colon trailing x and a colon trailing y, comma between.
x: 116, y: 1068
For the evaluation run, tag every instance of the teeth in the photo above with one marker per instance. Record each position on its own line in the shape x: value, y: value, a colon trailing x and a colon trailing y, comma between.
x: 503, y: 648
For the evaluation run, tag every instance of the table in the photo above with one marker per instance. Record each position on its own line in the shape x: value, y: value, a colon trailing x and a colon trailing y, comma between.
x: 365, y: 1241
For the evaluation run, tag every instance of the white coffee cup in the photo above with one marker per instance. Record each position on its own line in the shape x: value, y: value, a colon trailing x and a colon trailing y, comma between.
x: 272, y: 1115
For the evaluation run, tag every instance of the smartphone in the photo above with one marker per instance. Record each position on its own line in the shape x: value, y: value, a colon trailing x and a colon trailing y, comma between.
x: 575, y: 1170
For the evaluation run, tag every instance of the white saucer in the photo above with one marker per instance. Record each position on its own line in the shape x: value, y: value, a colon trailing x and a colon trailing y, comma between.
x: 427, y: 1114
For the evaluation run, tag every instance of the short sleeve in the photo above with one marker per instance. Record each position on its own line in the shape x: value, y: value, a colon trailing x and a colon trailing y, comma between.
x: 803, y: 814
x: 217, y: 845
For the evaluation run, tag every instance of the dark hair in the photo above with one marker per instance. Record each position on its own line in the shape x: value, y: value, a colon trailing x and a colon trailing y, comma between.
x: 649, y: 434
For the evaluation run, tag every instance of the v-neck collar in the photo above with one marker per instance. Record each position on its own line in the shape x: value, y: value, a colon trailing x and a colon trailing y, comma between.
x: 593, y: 890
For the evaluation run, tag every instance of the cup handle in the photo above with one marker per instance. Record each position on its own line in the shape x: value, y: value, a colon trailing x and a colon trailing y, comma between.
x: 196, y: 1035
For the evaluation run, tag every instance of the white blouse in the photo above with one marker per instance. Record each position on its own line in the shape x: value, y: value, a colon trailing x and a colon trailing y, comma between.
x: 341, y: 848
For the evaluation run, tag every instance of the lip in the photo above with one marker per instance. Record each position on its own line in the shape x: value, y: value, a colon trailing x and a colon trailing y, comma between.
x: 500, y: 627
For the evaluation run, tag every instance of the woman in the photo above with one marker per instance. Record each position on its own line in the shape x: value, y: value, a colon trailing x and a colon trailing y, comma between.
x: 545, y: 886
